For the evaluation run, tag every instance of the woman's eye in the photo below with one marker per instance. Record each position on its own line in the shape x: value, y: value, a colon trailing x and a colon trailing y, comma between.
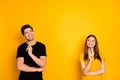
x: 93, y: 40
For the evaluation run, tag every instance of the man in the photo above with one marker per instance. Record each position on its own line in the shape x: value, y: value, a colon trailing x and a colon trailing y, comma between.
x: 31, y: 56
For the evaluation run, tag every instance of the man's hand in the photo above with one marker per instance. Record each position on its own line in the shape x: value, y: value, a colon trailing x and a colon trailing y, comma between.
x: 29, y: 49
x: 40, y: 69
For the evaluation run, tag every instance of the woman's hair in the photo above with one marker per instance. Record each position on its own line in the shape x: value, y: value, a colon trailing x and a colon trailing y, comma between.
x: 96, y: 49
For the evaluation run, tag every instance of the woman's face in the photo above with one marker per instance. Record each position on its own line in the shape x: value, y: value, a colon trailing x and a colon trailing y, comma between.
x: 91, y: 42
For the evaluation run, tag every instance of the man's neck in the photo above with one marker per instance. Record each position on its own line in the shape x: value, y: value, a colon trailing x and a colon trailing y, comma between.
x: 32, y: 42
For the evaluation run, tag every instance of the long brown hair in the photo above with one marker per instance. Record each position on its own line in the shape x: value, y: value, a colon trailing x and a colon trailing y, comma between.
x: 96, y: 49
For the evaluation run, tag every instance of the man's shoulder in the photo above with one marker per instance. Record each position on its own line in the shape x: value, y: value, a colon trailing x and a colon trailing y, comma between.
x: 22, y: 44
x: 40, y: 43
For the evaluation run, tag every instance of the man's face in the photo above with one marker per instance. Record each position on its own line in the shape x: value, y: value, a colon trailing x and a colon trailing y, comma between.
x: 28, y: 34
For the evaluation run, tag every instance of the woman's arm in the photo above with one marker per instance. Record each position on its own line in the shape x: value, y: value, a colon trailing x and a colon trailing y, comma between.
x: 98, y: 72
x: 86, y: 68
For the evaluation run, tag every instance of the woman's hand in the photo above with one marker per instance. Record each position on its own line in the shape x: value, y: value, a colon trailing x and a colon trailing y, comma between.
x: 91, y: 54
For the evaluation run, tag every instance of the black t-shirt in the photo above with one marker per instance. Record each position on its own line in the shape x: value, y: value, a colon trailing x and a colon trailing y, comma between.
x: 38, y: 50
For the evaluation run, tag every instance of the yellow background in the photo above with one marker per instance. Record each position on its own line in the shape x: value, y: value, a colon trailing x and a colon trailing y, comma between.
x: 63, y: 26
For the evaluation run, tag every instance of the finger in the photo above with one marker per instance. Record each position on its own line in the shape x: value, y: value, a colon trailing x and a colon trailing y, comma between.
x: 28, y: 46
x: 27, y: 49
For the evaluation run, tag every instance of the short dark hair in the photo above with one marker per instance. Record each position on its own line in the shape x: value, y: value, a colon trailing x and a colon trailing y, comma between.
x: 25, y: 27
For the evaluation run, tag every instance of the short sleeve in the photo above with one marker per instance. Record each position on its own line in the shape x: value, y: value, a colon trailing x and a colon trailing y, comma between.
x: 19, y: 52
x: 43, y: 51
x: 81, y: 57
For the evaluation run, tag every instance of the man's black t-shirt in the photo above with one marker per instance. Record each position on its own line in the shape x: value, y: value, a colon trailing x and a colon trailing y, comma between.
x: 38, y: 50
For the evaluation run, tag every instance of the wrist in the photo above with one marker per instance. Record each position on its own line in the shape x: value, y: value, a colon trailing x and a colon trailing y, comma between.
x: 30, y: 53
x: 34, y: 69
x: 90, y: 61
x: 37, y: 69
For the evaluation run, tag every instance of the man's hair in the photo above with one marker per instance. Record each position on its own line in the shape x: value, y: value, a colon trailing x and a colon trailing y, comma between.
x: 25, y: 27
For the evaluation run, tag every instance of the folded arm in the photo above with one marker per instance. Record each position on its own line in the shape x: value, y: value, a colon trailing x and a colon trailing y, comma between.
x: 23, y: 67
x: 86, y: 68
x: 40, y: 61
x: 98, y: 72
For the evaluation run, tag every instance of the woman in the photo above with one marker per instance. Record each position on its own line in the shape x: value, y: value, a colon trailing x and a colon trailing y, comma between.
x: 92, y: 63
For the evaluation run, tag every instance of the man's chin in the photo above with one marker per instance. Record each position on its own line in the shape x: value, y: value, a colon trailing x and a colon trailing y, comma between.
x: 30, y: 39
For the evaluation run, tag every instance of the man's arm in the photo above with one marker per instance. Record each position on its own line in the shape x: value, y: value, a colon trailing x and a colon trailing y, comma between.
x: 40, y: 61
x: 23, y: 67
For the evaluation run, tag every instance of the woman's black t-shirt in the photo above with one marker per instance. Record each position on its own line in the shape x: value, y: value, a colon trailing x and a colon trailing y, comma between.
x: 38, y: 50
